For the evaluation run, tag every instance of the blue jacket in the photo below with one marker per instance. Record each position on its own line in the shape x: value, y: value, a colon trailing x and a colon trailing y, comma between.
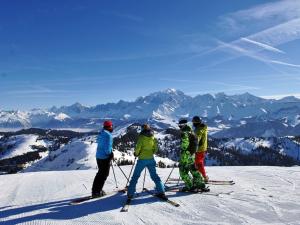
x: 105, y: 142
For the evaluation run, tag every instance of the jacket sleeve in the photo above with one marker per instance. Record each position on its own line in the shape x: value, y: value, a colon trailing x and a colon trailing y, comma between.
x: 202, y: 139
x: 184, y: 141
x: 155, y: 145
x: 108, y: 144
x: 138, y: 147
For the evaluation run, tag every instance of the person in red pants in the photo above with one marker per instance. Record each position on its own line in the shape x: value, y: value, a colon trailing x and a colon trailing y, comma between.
x: 200, y: 129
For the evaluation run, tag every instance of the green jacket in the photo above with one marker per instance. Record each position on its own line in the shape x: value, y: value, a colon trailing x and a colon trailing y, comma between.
x: 146, y: 145
x: 186, y: 158
x: 185, y: 138
x: 201, y: 132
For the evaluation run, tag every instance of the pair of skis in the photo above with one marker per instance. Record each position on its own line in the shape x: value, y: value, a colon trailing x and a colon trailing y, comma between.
x: 179, y: 189
x: 164, y: 199
x: 213, y: 182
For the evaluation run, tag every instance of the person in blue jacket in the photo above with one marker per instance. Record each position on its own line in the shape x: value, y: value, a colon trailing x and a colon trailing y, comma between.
x: 104, y: 155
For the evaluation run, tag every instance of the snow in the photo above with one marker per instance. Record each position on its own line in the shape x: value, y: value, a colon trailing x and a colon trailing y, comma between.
x: 296, y: 120
x: 247, y: 145
x: 21, y: 144
x: 263, y: 110
x: 78, y: 154
x: 127, y: 116
x: 62, y: 117
x: 261, y: 195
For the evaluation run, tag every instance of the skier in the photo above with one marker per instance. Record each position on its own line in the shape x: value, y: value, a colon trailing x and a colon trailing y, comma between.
x: 187, y: 161
x: 200, y: 129
x: 145, y: 148
x: 104, y: 155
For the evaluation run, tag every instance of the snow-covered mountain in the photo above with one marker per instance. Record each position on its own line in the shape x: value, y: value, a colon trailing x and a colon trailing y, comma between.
x: 227, y: 116
x: 48, y: 150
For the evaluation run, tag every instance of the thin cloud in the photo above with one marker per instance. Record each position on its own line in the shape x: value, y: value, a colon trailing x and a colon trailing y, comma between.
x: 283, y: 10
x: 279, y: 34
x: 264, y: 46
x: 251, y: 54
x: 284, y: 63
x: 263, y: 15
x: 276, y: 32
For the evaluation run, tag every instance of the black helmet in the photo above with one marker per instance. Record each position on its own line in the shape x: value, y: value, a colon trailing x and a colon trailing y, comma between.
x: 196, y: 119
x: 182, y: 122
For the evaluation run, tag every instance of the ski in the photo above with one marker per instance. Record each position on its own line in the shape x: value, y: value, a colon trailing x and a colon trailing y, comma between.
x: 167, y: 188
x: 214, y: 182
x: 83, y: 199
x: 161, y: 198
x: 220, y: 182
x: 174, y: 179
x: 200, y: 192
x: 126, y: 205
x: 89, y: 197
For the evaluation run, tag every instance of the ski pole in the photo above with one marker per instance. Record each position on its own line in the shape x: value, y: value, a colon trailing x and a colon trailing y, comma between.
x: 130, y: 172
x: 114, y: 174
x: 179, y: 178
x: 169, y: 174
x: 144, y: 179
x: 123, y: 172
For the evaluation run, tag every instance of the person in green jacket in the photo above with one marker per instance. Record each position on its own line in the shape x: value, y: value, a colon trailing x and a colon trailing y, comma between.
x: 200, y: 129
x: 145, y: 148
x: 194, y: 181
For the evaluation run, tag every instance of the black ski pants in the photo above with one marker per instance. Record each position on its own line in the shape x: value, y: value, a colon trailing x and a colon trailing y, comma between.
x: 101, y: 176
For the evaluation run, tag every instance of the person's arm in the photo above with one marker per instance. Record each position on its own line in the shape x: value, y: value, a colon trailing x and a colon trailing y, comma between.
x: 138, y: 147
x: 155, y: 145
x: 108, y: 144
x: 203, y: 139
x: 184, y: 141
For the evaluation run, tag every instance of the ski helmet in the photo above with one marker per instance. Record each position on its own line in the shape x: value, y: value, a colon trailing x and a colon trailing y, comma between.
x: 107, y: 123
x: 196, y: 119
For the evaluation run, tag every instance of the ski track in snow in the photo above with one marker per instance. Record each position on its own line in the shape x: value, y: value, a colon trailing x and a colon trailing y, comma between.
x: 261, y: 195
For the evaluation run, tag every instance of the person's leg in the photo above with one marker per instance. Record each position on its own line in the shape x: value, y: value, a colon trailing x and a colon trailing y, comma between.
x: 185, y: 176
x: 151, y: 165
x: 101, y: 176
x: 198, y: 181
x: 184, y: 162
x: 140, y: 165
x: 199, y: 162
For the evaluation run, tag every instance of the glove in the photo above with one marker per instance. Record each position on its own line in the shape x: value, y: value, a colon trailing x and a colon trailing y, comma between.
x: 111, y: 156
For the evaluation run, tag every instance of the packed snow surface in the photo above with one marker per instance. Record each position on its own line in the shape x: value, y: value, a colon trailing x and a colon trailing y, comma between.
x: 261, y: 195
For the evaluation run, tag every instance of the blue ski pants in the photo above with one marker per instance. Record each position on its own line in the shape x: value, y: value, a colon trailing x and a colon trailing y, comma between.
x: 140, y: 166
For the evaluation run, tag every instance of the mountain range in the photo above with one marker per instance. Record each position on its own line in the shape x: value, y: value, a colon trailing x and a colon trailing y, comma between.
x: 242, y: 115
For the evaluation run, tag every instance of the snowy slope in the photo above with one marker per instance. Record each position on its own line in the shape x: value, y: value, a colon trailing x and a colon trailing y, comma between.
x: 261, y: 195
x: 79, y: 154
x: 284, y: 145
x: 21, y: 144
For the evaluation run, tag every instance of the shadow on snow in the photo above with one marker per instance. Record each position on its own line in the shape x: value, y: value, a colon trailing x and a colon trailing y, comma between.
x: 62, y: 210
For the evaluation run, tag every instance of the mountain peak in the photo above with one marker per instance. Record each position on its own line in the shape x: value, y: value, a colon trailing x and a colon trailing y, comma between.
x: 77, y: 104
x: 289, y: 99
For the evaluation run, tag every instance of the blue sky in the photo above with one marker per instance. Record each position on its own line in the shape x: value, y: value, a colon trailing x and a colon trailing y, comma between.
x: 93, y: 52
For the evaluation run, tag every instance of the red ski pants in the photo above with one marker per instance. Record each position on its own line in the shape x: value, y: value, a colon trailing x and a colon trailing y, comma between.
x: 199, y: 163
